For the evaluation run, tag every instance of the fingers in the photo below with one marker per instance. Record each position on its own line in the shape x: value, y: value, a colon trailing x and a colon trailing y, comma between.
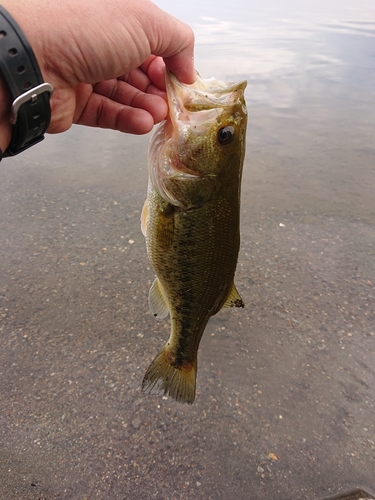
x: 149, y: 77
x: 105, y: 113
x: 154, y: 67
x: 117, y: 105
x: 136, y: 96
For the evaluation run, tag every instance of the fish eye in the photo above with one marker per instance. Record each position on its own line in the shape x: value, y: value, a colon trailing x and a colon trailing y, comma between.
x: 225, y: 135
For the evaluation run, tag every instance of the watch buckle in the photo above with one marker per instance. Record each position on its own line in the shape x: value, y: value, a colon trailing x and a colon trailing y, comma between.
x: 29, y: 95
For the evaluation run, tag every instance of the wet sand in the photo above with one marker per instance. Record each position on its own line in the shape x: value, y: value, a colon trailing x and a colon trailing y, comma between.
x: 285, y: 391
x: 285, y: 387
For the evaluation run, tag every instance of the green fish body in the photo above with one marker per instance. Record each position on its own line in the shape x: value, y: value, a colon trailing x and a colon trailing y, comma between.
x: 191, y: 221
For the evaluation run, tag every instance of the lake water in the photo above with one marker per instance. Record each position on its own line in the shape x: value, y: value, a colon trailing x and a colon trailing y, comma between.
x: 285, y: 391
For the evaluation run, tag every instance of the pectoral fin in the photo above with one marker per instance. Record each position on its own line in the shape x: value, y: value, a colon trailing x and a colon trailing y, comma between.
x: 234, y: 298
x: 157, y: 301
x: 144, y: 217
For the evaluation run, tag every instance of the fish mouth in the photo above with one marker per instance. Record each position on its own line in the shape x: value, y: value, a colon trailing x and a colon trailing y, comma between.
x: 204, y: 99
x: 165, y: 165
x: 163, y: 148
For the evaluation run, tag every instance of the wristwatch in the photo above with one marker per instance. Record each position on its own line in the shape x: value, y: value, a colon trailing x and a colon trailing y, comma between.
x: 31, y: 111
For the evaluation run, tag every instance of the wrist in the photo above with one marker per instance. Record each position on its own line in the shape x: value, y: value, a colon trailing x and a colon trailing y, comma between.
x: 5, y: 125
x: 22, y: 83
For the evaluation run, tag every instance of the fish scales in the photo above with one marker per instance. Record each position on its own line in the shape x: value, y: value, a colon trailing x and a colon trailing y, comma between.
x: 191, y: 222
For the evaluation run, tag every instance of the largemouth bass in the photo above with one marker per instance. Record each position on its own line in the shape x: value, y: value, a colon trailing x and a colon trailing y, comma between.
x: 191, y: 221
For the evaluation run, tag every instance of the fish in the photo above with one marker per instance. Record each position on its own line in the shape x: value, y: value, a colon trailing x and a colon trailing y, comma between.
x: 191, y: 221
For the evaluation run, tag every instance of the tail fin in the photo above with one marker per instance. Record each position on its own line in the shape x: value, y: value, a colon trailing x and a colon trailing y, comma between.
x: 164, y: 378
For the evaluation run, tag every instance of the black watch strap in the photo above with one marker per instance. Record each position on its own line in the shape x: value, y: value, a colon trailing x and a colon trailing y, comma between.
x: 31, y: 112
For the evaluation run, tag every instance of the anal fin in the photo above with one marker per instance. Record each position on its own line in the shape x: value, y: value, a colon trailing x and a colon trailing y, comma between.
x: 234, y: 298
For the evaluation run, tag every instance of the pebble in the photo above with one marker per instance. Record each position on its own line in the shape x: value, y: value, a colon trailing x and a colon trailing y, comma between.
x: 136, y: 422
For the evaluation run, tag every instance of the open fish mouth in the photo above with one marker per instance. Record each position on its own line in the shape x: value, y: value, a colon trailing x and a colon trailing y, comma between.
x: 165, y: 164
x: 202, y: 95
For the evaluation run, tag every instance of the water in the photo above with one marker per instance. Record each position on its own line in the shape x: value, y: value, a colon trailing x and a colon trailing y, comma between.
x: 285, y: 400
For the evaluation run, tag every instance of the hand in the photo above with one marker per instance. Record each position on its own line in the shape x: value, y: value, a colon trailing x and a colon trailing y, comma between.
x: 102, y: 59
